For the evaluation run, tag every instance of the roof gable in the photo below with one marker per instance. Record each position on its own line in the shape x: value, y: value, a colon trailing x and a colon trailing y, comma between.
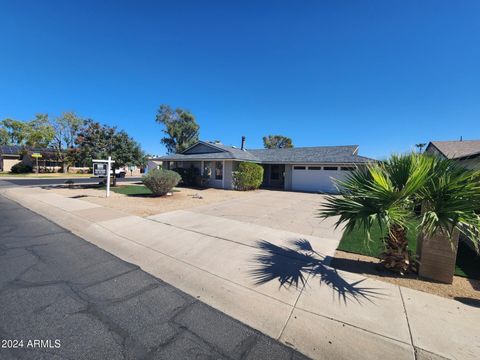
x: 202, y: 147
x: 457, y: 149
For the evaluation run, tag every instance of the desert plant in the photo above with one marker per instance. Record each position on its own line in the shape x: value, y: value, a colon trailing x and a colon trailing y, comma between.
x: 249, y: 176
x: 160, y: 181
x: 383, y: 194
x: 21, y: 168
x: 387, y: 194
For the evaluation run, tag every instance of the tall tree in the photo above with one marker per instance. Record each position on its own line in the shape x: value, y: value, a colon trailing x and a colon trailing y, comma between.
x: 420, y: 146
x: 98, y: 141
x: 66, y: 128
x: 4, y: 139
x: 40, y: 132
x: 16, y: 130
x: 35, y: 133
x: 181, y: 129
x: 277, y: 142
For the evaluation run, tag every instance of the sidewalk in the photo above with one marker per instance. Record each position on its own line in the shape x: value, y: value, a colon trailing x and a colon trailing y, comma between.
x: 275, y: 281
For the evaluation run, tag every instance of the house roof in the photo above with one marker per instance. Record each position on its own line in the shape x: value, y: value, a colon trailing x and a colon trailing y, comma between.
x: 299, y: 155
x: 17, y: 150
x: 457, y: 149
x: 10, y: 150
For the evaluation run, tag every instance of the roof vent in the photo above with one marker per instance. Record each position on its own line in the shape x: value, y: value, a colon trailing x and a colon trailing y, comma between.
x: 243, y: 143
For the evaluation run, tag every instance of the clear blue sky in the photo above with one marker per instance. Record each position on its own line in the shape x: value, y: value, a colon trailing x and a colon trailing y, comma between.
x: 381, y: 74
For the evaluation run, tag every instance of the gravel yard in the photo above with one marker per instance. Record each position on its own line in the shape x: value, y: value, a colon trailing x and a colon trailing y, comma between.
x: 182, y: 198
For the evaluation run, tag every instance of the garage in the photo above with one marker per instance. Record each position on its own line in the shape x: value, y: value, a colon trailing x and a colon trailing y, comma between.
x: 317, y: 178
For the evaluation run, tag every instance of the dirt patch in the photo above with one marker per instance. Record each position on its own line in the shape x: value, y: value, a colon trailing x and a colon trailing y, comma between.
x: 462, y: 289
x: 184, y: 198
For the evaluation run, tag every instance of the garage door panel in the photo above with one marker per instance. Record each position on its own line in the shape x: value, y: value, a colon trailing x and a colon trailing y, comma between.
x: 316, y: 180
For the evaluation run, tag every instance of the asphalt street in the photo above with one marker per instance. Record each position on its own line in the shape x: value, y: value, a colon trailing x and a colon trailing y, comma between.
x: 64, y: 298
x: 58, y: 181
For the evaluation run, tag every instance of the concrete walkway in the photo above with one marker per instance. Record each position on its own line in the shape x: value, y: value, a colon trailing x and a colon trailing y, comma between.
x: 276, y: 281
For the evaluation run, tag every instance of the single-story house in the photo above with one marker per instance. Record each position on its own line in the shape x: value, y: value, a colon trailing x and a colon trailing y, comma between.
x: 9, y: 156
x: 465, y: 152
x: 14, y: 154
x: 308, y: 169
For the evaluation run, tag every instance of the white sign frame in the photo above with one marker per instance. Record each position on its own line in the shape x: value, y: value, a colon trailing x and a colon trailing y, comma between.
x: 109, y: 162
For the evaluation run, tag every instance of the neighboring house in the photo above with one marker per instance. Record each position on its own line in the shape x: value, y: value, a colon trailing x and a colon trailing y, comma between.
x: 465, y: 152
x: 299, y: 169
x: 9, y: 156
x: 13, y: 154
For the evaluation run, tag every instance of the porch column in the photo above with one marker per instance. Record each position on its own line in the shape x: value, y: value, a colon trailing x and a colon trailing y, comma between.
x: 223, y: 174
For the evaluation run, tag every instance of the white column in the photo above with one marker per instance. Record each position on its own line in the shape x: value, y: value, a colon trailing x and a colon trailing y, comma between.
x: 223, y: 174
x: 109, y: 166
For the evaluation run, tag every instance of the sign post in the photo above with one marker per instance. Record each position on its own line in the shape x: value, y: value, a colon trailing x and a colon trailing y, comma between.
x: 108, y: 175
x: 36, y: 156
x: 102, y: 168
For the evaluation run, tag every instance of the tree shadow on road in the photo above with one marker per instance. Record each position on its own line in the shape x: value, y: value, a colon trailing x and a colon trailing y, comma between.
x: 293, y: 266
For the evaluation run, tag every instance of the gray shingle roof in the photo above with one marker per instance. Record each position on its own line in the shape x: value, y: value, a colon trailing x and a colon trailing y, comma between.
x: 300, y: 155
x: 314, y: 154
x: 458, y: 149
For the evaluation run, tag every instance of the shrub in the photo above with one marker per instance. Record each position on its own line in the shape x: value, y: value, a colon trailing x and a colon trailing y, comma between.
x: 21, y: 168
x: 189, y: 175
x: 160, y: 181
x: 249, y: 176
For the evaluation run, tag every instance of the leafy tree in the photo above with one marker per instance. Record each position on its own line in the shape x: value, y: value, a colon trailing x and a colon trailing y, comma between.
x: 4, y: 138
x: 66, y: 128
x: 181, y: 129
x: 35, y: 133
x: 16, y: 130
x: 40, y: 132
x: 277, y: 142
x: 98, y: 141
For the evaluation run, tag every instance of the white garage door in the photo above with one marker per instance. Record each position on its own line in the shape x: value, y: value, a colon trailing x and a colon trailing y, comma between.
x: 316, y: 178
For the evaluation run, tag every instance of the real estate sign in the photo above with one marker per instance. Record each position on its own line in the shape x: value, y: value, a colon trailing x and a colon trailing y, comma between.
x: 100, y: 168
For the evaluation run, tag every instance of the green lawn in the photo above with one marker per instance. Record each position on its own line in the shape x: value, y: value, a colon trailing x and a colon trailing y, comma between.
x: 132, y: 190
x: 45, y: 175
x: 468, y: 263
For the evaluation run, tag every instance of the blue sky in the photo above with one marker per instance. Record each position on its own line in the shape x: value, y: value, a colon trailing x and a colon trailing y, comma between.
x: 381, y: 74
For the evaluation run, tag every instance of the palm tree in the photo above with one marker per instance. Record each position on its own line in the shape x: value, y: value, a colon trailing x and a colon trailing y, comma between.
x: 387, y: 193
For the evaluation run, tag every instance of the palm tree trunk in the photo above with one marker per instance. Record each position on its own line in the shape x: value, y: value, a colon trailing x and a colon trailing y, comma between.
x: 396, y: 256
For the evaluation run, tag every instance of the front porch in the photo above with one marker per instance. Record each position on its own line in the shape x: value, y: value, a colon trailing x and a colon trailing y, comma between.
x: 273, y: 176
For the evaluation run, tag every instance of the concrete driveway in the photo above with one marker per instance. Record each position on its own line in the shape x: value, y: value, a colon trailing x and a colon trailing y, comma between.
x: 291, y: 211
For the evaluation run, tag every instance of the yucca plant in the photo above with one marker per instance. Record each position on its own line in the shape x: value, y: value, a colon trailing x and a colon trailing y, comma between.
x: 450, y: 207
x: 383, y: 194
x: 387, y: 193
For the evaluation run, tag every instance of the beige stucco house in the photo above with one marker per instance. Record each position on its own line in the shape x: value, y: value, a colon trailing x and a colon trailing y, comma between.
x: 309, y: 169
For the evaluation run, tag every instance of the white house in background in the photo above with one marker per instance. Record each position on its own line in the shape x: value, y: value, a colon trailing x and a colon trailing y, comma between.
x: 310, y: 169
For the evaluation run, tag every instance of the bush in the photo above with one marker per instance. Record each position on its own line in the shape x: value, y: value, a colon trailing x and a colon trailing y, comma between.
x: 249, y: 176
x: 21, y: 168
x: 160, y: 181
x: 189, y: 175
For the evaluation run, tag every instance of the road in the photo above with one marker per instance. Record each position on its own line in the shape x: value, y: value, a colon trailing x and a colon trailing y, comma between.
x: 65, y: 298
x: 59, y: 181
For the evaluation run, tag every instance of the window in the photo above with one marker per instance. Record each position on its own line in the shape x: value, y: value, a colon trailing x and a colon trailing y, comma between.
x: 347, y: 168
x: 330, y: 168
x: 314, y: 168
x: 207, y: 169
x: 218, y: 170
x: 275, y: 172
x: 299, y: 168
